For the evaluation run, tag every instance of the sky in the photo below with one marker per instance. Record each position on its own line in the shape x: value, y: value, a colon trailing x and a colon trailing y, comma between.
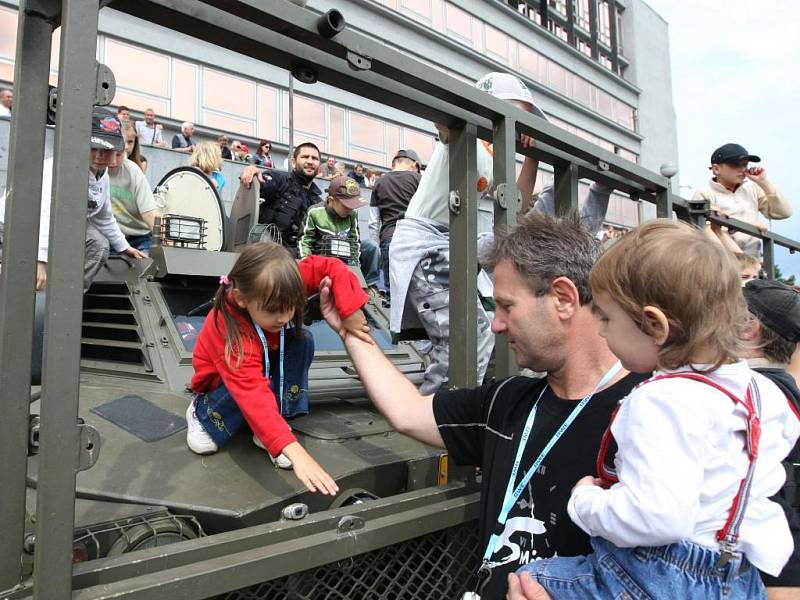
x: 736, y: 78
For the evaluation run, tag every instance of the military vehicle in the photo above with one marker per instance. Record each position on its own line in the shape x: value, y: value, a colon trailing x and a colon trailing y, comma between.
x: 115, y: 505
x: 146, y: 489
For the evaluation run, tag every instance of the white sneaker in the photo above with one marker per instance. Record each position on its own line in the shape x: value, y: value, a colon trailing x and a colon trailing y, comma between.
x: 197, y: 438
x: 282, y: 461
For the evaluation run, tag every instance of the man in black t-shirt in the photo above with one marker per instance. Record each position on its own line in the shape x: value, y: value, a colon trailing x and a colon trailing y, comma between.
x: 389, y: 200
x: 543, y: 305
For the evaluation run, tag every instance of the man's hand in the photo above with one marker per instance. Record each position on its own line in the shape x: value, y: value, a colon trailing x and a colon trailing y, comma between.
x: 355, y: 323
x: 526, y: 141
x: 247, y: 175
x: 41, y: 275
x: 133, y: 252
x: 525, y: 588
x: 757, y: 175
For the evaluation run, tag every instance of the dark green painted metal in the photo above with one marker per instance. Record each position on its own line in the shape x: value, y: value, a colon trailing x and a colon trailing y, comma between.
x: 463, y: 370
x: 20, y: 246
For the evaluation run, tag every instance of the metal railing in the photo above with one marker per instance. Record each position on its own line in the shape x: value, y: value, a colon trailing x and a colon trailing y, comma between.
x: 283, y: 34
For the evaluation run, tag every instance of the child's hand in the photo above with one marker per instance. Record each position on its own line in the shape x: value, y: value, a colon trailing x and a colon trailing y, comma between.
x: 357, y: 325
x: 588, y: 480
x: 309, y: 471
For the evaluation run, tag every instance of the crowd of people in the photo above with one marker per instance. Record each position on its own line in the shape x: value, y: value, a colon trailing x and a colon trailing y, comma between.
x: 653, y: 457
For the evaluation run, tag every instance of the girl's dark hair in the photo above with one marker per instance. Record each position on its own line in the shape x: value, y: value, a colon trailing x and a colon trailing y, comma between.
x: 264, y: 271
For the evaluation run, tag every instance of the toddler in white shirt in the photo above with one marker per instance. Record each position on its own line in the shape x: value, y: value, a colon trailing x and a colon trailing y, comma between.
x: 681, y: 508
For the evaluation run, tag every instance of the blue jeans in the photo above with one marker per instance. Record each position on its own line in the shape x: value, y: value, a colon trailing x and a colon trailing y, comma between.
x: 221, y: 417
x: 140, y: 242
x: 370, y: 261
x: 385, y: 265
x: 682, y: 570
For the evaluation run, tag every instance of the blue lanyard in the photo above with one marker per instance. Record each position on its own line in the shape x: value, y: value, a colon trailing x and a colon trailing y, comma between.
x: 266, y: 360
x: 511, y: 497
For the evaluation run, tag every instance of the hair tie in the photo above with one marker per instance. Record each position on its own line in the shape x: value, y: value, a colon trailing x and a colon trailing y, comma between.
x: 225, y: 281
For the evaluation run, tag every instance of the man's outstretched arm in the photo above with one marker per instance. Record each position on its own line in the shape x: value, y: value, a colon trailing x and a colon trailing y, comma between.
x: 392, y: 393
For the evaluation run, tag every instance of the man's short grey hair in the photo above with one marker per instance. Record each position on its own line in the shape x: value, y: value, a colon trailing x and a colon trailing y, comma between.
x: 186, y: 124
x: 543, y: 247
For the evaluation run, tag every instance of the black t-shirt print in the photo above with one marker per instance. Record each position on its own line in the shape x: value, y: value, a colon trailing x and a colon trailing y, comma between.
x: 482, y: 427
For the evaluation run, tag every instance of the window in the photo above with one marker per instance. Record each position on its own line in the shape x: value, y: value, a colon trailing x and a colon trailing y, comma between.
x: 459, y: 23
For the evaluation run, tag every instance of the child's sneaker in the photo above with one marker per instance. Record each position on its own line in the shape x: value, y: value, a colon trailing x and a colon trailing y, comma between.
x: 281, y: 461
x: 197, y: 438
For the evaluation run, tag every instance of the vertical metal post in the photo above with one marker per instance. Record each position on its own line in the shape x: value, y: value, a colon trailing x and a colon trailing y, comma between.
x: 291, y: 120
x: 544, y: 10
x: 594, y: 25
x: 664, y: 204
x: 18, y: 277
x: 565, y: 182
x: 571, y: 23
x: 59, y: 438
x: 769, y: 257
x: 463, y: 368
x: 505, y: 213
x: 613, y: 33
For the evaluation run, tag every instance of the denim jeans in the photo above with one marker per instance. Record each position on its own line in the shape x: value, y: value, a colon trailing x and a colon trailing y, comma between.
x: 221, y: 417
x: 385, y: 266
x: 682, y: 570
x: 140, y: 242
x: 370, y: 261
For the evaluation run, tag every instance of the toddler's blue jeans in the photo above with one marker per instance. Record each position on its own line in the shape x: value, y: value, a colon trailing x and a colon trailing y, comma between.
x: 682, y: 570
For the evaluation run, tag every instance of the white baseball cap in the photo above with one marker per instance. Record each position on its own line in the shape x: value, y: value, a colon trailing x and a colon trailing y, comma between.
x: 508, y: 87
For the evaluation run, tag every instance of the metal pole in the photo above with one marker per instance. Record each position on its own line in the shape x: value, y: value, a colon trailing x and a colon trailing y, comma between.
x: 565, y: 183
x: 463, y: 368
x: 769, y: 257
x: 59, y: 439
x: 291, y: 119
x: 505, y: 213
x: 20, y: 245
x: 664, y: 204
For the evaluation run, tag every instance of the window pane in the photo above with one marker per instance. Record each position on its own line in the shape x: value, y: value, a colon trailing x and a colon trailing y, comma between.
x: 497, y: 43
x: 141, y: 102
x: 231, y: 125
x: 421, y: 142
x: 229, y: 94
x: 417, y: 9
x: 367, y: 132
x: 138, y: 69
x: 557, y: 77
x: 8, y: 32
x: 459, y: 23
x: 604, y: 104
x: 184, y: 94
x: 528, y: 62
x: 309, y: 115
x: 267, y: 113
x: 582, y: 91
x: 337, y: 146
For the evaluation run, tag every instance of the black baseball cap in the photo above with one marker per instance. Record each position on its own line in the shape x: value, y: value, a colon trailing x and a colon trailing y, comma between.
x: 106, y: 131
x: 408, y: 153
x: 776, y: 305
x: 732, y: 154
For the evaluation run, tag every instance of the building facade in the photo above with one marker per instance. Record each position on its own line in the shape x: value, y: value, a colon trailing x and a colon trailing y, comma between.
x: 598, y: 68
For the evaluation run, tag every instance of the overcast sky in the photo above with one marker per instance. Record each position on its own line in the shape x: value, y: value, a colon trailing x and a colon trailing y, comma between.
x: 736, y: 78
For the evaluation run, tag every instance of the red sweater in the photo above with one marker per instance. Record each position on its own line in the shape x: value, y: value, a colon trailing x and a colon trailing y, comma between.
x: 245, y: 380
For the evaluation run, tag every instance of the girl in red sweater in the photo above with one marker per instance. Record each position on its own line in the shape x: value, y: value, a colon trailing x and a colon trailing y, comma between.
x: 252, y: 357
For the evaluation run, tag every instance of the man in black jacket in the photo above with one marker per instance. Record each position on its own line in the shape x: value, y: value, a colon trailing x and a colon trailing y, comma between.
x: 288, y: 196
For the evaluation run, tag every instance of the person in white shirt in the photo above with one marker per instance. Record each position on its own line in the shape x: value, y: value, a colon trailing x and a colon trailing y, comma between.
x: 6, y: 101
x: 102, y: 230
x: 682, y: 509
x: 741, y: 192
x: 150, y: 132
